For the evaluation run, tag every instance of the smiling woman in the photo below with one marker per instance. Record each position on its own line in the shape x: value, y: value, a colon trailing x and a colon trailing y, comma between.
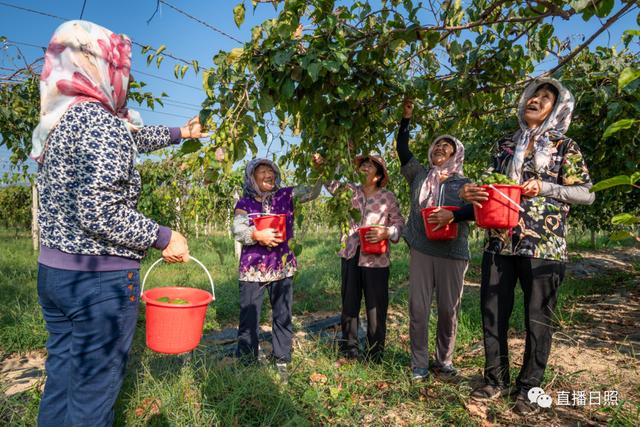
x: 266, y: 260
x: 553, y: 174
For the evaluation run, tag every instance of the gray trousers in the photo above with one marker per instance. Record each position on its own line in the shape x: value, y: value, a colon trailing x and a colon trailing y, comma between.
x: 444, y: 275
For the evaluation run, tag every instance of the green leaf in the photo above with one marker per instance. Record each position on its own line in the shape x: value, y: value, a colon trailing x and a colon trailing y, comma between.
x: 618, y: 126
x: 314, y: 70
x: 610, y: 182
x: 604, y: 7
x: 266, y: 103
x: 288, y: 88
x: 579, y: 5
x: 282, y: 57
x: 160, y: 49
x: 621, y: 235
x: 432, y: 37
x: 234, y: 55
x: 204, y: 116
x: 634, y: 178
x: 190, y: 146
x: 624, y: 219
x: 238, y: 14
x: 627, y: 76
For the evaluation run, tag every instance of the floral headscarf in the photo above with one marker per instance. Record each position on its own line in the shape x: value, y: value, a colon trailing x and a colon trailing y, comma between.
x: 250, y: 187
x: 452, y: 166
x: 555, y: 125
x: 83, y: 62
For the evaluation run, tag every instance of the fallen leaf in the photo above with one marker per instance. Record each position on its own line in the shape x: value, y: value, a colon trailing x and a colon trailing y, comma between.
x: 381, y: 385
x: 478, y: 410
x: 318, y: 378
x: 149, y: 406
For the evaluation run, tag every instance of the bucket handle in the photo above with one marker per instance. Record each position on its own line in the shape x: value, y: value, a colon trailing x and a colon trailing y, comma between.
x: 213, y: 292
x: 507, y: 197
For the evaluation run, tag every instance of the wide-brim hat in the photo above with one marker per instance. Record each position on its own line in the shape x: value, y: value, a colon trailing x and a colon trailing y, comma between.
x: 378, y: 160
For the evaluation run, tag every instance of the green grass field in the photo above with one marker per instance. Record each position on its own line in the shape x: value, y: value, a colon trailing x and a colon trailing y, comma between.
x: 202, y: 389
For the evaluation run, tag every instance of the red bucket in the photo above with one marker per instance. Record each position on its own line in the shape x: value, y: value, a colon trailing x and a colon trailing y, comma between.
x: 175, y: 328
x: 502, y: 210
x: 447, y: 232
x: 371, y: 248
x: 277, y: 221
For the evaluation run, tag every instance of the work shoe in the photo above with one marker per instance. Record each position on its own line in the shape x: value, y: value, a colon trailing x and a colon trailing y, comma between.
x: 447, y: 372
x: 489, y: 392
x: 283, y: 371
x: 524, y: 407
x: 420, y: 374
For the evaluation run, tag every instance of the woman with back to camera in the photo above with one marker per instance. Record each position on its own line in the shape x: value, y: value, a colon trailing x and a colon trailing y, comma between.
x: 92, y: 236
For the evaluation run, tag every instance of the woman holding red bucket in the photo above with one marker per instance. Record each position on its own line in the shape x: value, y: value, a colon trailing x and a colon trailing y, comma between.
x: 92, y: 236
x: 266, y: 260
x: 553, y: 174
x: 365, y: 256
x: 437, y: 265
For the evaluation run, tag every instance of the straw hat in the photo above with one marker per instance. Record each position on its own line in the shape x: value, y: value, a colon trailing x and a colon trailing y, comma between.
x: 378, y: 160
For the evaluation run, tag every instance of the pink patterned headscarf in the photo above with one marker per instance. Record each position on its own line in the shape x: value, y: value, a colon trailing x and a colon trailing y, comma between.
x: 84, y: 62
x: 453, y: 165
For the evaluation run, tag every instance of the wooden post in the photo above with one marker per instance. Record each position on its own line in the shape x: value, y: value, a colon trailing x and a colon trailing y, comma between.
x: 35, y: 230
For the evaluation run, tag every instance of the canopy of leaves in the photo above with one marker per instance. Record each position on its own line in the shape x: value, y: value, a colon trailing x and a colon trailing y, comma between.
x: 335, y: 74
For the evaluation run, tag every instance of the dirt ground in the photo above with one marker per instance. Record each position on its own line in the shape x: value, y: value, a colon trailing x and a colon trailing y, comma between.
x: 598, y: 352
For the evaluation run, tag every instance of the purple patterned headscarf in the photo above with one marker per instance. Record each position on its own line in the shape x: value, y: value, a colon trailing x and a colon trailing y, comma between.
x: 250, y: 187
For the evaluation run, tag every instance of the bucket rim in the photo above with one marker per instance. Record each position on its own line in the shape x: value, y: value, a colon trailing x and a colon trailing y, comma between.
x: 518, y: 186
x: 153, y: 302
x: 447, y: 207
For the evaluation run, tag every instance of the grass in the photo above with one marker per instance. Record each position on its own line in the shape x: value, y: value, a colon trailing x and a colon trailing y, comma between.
x: 202, y: 388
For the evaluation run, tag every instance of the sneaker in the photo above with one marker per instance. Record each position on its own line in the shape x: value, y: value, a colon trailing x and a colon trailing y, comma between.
x: 524, y: 407
x: 420, y: 374
x: 283, y: 371
x: 447, y: 372
x: 490, y: 392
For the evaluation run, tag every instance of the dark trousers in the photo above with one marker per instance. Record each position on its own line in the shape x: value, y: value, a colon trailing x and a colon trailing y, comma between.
x: 374, y: 282
x: 251, y: 296
x: 539, y: 280
x: 91, y: 318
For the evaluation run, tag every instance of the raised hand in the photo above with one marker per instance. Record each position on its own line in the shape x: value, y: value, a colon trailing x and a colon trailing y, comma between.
x: 407, y: 108
x: 193, y: 129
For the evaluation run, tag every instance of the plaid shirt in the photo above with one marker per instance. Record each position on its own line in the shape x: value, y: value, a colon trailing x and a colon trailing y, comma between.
x: 379, y: 208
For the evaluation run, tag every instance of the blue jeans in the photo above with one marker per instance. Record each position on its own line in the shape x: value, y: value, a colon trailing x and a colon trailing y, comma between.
x: 91, y: 318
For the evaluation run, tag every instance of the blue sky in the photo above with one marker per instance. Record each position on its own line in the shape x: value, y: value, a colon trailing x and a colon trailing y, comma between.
x: 187, y: 39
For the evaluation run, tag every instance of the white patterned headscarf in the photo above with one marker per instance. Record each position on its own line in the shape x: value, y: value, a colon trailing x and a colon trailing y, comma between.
x: 430, y: 189
x: 555, y: 125
x: 84, y: 62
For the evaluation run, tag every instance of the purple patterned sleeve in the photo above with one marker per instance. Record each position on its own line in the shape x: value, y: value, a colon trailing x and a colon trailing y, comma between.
x: 164, y: 235
x: 175, y: 135
x: 241, y: 204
